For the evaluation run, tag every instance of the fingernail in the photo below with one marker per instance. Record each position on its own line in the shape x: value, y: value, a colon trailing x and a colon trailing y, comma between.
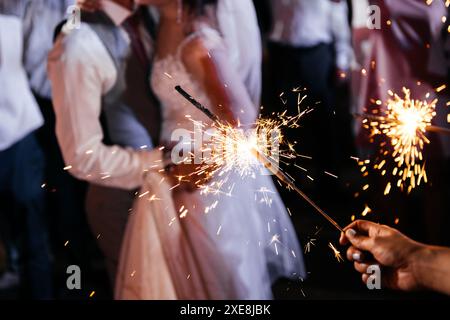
x: 356, y: 256
x: 350, y: 233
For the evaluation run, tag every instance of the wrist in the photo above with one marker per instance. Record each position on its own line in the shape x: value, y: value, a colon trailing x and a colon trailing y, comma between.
x: 152, y: 160
x: 418, y: 260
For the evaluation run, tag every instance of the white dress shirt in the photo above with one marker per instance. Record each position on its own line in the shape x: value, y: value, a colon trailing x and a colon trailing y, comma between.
x: 360, y: 9
x: 81, y: 72
x: 307, y: 23
x: 19, y: 113
x: 40, y: 18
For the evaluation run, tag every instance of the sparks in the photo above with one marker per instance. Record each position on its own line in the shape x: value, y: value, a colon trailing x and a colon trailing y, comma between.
x: 312, y: 240
x: 337, y: 254
x: 309, y: 244
x: 275, y: 239
x: 248, y: 152
x: 404, y: 124
x: 366, y: 211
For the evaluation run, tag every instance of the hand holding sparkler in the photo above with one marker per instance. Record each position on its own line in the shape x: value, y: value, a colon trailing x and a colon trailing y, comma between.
x: 406, y: 264
x: 185, y: 176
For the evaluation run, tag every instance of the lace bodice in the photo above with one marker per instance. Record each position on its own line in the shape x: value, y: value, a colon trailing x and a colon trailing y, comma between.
x: 170, y: 72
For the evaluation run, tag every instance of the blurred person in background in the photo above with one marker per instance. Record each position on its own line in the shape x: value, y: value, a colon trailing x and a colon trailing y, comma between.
x: 22, y: 209
x: 309, y: 49
x: 65, y: 194
x: 238, y: 24
x: 405, y: 50
x: 402, y: 45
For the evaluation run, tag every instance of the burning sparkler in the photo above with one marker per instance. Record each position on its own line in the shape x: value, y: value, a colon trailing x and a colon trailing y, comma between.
x: 311, y: 241
x: 309, y: 244
x: 235, y: 150
x: 404, y: 123
x: 337, y: 254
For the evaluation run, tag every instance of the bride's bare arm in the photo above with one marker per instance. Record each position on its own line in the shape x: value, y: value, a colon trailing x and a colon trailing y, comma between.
x: 226, y: 91
x: 220, y: 80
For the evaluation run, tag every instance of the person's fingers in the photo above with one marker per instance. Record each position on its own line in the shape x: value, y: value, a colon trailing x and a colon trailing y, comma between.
x: 365, y: 277
x: 82, y: 3
x: 361, y: 267
x: 359, y: 226
x: 353, y: 254
x: 167, y: 162
x: 92, y: 7
x: 362, y: 226
x: 343, y: 239
x: 87, y: 8
x: 92, y: 3
x: 169, y: 168
x: 359, y: 241
x: 89, y: 5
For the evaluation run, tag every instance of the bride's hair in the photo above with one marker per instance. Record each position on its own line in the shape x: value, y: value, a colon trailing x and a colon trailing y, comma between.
x: 198, y: 7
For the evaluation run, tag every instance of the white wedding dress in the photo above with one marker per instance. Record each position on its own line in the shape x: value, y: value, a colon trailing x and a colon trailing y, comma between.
x: 237, y: 249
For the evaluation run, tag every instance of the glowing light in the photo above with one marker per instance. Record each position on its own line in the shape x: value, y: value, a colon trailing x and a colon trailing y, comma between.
x: 366, y: 211
x: 337, y: 254
x: 388, y: 189
x: 441, y: 88
x: 404, y: 125
x: 309, y: 244
x: 248, y: 153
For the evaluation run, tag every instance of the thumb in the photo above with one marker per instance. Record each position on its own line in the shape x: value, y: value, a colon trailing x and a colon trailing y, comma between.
x: 360, y: 241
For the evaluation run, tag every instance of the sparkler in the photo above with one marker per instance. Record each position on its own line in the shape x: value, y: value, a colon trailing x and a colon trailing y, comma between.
x: 309, y: 244
x: 428, y: 128
x: 337, y: 254
x: 247, y: 149
x: 311, y: 241
x: 404, y: 123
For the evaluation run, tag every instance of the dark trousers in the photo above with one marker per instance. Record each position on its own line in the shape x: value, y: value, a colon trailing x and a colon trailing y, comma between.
x: 22, y: 211
x: 312, y: 69
x: 65, y: 201
x: 108, y: 210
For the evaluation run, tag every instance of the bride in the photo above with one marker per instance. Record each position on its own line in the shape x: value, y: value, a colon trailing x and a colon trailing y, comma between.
x: 227, y: 246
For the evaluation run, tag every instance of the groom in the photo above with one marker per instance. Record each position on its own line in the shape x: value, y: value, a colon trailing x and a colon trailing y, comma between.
x: 107, y: 119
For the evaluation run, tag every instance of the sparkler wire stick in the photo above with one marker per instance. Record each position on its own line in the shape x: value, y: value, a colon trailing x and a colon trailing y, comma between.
x: 197, y: 104
x: 262, y: 158
x: 284, y: 178
x: 383, y: 119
